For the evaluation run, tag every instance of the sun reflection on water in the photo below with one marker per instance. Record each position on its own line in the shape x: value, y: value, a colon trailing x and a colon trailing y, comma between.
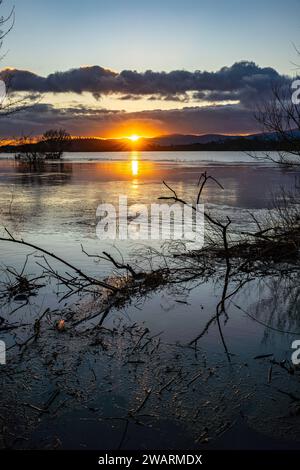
x: 135, y: 167
x: 134, y: 163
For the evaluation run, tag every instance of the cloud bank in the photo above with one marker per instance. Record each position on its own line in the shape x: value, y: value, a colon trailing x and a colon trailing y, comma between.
x: 243, y: 81
x: 220, y: 102
x: 229, y: 119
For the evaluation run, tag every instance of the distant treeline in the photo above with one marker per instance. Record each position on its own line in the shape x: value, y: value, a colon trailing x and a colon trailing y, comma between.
x: 118, y: 145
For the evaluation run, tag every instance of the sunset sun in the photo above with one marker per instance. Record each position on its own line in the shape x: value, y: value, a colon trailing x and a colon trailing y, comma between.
x: 134, y: 137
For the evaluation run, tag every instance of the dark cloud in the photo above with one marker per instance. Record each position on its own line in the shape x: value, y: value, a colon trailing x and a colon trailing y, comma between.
x: 230, y: 119
x: 243, y: 81
x: 96, y: 80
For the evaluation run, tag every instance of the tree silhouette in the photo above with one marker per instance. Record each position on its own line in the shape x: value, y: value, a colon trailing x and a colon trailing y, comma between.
x: 54, y: 143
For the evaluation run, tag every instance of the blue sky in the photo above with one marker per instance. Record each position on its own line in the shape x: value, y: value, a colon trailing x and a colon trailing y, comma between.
x: 158, y: 34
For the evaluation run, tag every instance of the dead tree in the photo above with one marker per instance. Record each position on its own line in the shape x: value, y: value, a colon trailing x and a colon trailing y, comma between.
x: 10, y: 101
x: 54, y: 143
x: 279, y: 120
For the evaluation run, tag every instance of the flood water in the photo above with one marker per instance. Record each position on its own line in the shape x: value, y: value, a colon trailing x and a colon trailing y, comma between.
x: 231, y: 405
x: 56, y: 203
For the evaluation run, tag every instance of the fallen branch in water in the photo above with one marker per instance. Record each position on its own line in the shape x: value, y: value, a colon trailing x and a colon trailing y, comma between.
x: 57, y: 258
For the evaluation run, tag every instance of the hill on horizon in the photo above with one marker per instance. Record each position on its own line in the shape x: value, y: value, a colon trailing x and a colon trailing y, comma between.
x: 177, y: 142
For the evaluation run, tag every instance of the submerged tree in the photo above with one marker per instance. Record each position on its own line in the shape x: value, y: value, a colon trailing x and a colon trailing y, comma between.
x: 54, y: 143
x: 28, y: 151
x: 51, y: 146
